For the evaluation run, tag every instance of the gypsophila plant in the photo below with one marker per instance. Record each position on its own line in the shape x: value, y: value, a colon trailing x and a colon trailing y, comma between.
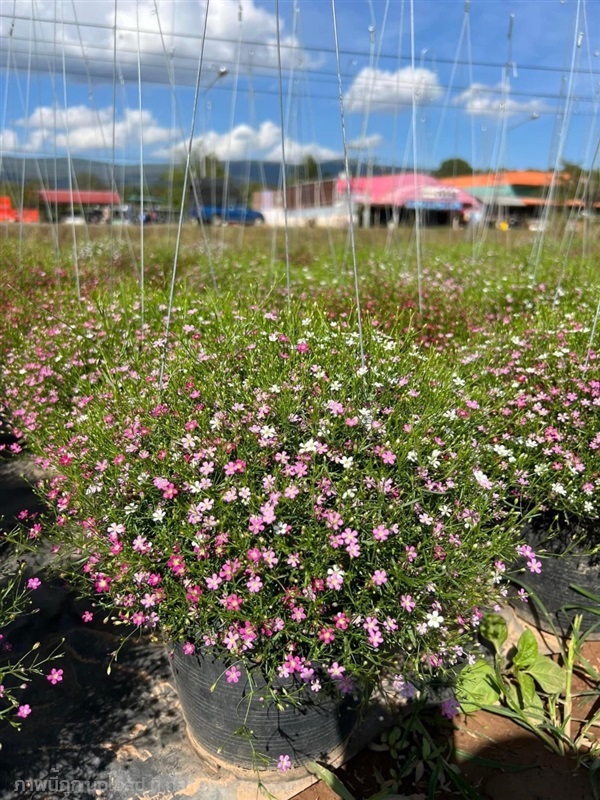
x: 273, y: 498
x: 18, y: 669
x: 532, y: 397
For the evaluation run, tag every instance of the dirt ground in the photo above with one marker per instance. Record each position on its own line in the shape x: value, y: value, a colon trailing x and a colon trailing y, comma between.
x: 500, y: 760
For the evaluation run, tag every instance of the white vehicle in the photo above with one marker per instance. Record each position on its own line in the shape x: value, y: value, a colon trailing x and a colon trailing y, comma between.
x: 72, y: 219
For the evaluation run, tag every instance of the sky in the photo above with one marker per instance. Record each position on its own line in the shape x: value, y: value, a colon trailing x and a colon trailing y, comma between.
x: 498, y: 83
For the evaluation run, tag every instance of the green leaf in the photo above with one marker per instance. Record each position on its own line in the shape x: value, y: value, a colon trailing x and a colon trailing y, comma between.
x: 394, y: 735
x: 331, y: 780
x: 527, y: 687
x: 527, y: 650
x: 426, y: 749
x: 548, y: 675
x: 477, y: 687
x: 494, y: 629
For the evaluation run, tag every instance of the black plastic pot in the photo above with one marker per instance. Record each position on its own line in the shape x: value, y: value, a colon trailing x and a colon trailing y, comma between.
x: 234, y: 722
x: 552, y: 587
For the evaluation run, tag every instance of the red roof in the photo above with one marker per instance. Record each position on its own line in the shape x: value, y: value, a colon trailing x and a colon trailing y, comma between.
x: 80, y: 198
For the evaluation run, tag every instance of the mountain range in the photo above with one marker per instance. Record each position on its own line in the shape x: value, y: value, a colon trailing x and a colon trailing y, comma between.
x: 52, y: 173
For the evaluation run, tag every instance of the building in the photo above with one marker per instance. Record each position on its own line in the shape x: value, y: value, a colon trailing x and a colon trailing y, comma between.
x: 517, y: 194
x: 375, y: 201
x: 396, y: 199
x: 92, y: 206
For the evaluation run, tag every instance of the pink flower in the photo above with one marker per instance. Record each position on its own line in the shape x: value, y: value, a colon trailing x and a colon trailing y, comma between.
x: 450, y: 708
x: 34, y: 583
x: 380, y: 533
x: 534, y: 565
x: 407, y: 603
x: 233, y: 675
x: 24, y: 711
x: 326, y: 635
x: 411, y: 553
x: 55, y: 676
x: 379, y: 577
x: 336, y: 670
x: 188, y: 649
x: 102, y: 583
x: 284, y: 763
x: 213, y: 582
x: 87, y: 616
x: 254, y: 584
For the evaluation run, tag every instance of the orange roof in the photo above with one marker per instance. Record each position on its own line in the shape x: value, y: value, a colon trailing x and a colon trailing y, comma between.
x: 523, y: 178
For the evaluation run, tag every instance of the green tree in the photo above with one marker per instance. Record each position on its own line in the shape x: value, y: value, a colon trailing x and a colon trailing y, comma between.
x: 453, y: 167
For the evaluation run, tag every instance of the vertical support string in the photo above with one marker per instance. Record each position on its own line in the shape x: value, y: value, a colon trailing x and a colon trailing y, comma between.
x: 186, y: 173
x: 141, y: 155
x: 283, y: 159
x: 348, y: 193
x: 415, y: 157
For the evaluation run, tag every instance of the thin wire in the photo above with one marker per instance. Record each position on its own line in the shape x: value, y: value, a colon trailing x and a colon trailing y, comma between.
x: 415, y: 160
x: 233, y: 103
x: 539, y: 244
x: 141, y: 152
x: 114, y: 137
x: 348, y: 194
x: 94, y: 26
x: 283, y: 160
x: 193, y: 186
x: 70, y: 171
x: 181, y: 211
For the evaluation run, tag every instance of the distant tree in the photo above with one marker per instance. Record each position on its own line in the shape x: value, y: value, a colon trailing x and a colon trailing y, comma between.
x: 452, y: 168
x: 89, y: 181
x: 202, y: 166
x: 307, y: 170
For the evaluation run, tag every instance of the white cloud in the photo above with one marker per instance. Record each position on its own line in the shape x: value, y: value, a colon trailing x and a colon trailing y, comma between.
x: 483, y: 100
x: 80, y: 129
x: 366, y: 143
x: 262, y: 143
x: 378, y: 90
x: 167, y: 34
x: 83, y: 130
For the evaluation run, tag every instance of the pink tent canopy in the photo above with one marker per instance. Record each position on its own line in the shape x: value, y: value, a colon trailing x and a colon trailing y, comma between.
x: 406, y: 189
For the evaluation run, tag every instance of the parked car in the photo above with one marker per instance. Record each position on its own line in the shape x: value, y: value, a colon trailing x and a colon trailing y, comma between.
x: 227, y: 215
x: 73, y: 219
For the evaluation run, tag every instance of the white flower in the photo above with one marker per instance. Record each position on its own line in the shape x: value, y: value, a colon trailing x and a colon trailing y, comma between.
x: 309, y: 447
x: 346, y: 461
x: 267, y: 432
x: 434, y: 619
x: 558, y: 488
x: 158, y: 515
x: 412, y: 455
x: 482, y: 479
x: 434, y: 458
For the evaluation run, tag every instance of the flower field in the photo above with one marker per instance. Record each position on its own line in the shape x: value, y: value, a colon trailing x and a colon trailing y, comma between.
x: 242, y: 462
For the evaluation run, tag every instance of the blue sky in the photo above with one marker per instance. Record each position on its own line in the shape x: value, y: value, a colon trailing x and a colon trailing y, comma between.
x: 73, y: 82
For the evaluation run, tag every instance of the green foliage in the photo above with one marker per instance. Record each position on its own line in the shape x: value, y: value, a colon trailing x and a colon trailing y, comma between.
x: 532, y: 689
x: 453, y: 167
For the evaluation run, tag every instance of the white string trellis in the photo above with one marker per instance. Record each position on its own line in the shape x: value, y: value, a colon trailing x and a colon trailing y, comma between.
x: 348, y: 194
